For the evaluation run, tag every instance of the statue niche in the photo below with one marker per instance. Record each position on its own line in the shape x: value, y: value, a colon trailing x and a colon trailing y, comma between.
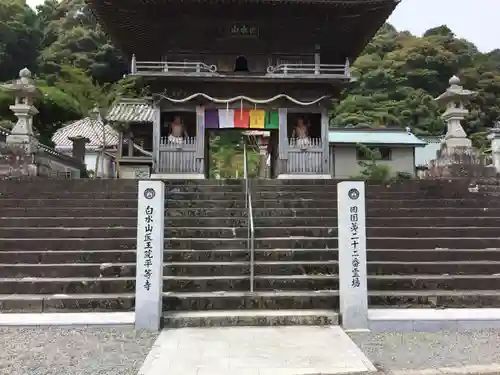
x: 178, y: 127
x: 304, y: 129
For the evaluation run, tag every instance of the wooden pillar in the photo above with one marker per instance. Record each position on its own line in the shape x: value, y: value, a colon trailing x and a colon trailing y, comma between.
x: 325, y: 123
x: 283, y: 141
x: 200, y: 138
x: 156, y: 135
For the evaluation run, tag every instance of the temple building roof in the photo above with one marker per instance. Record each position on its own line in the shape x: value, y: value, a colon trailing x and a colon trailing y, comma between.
x: 374, y: 137
x: 149, y: 27
x: 131, y: 110
x: 88, y: 128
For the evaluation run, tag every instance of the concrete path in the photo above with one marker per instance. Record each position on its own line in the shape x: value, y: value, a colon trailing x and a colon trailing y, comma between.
x: 255, y: 351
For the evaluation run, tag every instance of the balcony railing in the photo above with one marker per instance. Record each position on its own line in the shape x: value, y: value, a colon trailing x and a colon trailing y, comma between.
x: 189, y: 68
x: 172, y: 67
x: 323, y: 70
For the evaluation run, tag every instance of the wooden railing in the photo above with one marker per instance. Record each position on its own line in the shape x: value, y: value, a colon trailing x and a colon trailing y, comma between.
x: 342, y: 70
x: 179, y: 157
x: 172, y: 67
x: 305, y: 156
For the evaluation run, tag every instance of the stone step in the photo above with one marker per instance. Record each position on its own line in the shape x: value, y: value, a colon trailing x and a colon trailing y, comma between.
x: 112, y: 203
x: 43, y: 257
x: 241, y: 300
x: 118, y: 232
x: 234, y: 318
x: 171, y: 301
x: 40, y: 303
x: 390, y: 222
x: 110, y: 222
x: 75, y: 285
x: 410, y: 232
x: 379, y: 203
x: 57, y: 244
x: 240, y: 203
x: 242, y: 268
x: 323, y: 255
x: 325, y: 193
x: 204, y: 301
x: 471, y: 298
x: 386, y: 212
x: 170, y: 255
x: 242, y: 255
x: 432, y: 255
x: 241, y: 232
x: 128, y: 195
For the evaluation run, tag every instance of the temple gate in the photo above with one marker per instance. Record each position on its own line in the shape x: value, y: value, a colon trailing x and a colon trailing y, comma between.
x: 234, y: 62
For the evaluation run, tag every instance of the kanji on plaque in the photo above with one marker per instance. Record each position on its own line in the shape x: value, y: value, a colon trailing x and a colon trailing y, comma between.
x: 148, y: 246
x: 353, y: 244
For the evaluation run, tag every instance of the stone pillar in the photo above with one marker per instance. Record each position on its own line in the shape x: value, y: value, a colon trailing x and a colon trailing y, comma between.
x: 494, y: 137
x: 79, y: 147
x: 22, y: 134
x: 150, y: 247
x: 353, y: 290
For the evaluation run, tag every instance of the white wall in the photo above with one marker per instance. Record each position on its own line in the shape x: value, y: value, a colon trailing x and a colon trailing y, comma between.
x: 345, y: 163
x: 90, y: 160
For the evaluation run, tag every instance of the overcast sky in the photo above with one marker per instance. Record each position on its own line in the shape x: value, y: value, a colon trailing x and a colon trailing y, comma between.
x: 475, y: 20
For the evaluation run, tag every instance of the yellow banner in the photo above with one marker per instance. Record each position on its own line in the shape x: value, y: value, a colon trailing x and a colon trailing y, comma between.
x: 257, y: 119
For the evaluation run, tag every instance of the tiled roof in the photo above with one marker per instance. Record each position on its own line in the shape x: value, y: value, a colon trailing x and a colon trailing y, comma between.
x: 91, y: 129
x: 374, y: 137
x: 131, y: 110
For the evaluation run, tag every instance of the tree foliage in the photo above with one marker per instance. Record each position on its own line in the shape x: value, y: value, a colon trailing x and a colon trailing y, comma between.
x: 397, y: 76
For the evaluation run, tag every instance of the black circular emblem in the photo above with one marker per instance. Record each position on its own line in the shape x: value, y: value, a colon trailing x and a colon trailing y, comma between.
x: 353, y: 194
x: 149, y: 193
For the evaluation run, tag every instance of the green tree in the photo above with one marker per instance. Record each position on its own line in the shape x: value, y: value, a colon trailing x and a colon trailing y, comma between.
x: 19, y: 38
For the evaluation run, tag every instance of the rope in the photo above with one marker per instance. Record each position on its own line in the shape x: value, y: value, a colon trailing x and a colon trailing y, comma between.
x: 242, y: 97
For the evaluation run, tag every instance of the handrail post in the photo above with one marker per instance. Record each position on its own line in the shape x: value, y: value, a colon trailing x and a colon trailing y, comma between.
x: 250, y: 225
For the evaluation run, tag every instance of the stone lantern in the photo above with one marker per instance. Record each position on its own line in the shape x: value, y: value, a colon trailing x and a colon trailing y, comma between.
x: 24, y: 92
x: 455, y: 99
x: 457, y: 157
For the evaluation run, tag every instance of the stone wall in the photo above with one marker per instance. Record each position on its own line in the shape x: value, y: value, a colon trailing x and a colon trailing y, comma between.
x: 466, y: 164
x: 14, y: 162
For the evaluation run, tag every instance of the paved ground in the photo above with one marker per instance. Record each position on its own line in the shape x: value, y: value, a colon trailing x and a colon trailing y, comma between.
x: 69, y: 351
x: 398, y: 351
x: 255, y: 351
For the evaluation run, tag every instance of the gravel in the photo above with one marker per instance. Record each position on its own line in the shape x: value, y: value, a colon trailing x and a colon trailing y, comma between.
x: 73, y: 351
x: 415, y: 351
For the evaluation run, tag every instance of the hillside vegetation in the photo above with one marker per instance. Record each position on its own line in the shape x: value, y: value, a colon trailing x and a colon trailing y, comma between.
x: 398, y: 74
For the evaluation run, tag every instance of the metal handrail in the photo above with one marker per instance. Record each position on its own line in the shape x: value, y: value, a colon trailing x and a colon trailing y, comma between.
x: 310, y: 69
x: 250, y: 224
x: 171, y: 67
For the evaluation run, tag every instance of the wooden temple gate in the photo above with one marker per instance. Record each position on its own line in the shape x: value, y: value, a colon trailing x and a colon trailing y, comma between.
x: 295, y: 158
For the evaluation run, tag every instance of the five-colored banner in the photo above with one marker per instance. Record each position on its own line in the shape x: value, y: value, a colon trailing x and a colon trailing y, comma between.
x: 241, y: 119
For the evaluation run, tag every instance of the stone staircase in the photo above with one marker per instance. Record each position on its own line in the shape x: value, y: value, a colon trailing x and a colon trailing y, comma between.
x: 430, y: 243
x: 70, y: 246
